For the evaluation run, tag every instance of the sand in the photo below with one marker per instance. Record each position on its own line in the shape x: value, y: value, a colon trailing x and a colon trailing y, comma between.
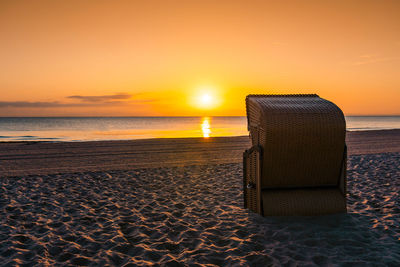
x: 32, y: 158
x: 185, y: 208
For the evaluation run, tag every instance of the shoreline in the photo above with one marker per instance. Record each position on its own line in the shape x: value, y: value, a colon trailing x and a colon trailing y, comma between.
x: 189, y: 137
x: 31, y: 157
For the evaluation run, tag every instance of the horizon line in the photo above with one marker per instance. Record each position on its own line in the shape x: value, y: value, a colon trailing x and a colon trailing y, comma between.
x: 183, y: 116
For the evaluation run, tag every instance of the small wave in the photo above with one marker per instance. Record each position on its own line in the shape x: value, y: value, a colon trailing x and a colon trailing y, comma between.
x: 369, y: 129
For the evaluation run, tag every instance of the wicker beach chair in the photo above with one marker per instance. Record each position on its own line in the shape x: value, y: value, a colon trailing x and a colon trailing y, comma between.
x: 297, y: 164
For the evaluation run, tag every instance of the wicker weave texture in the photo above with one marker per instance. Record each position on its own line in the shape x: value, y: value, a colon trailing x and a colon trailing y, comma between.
x: 302, y: 169
x: 303, y: 140
x: 251, y: 179
x: 303, y: 202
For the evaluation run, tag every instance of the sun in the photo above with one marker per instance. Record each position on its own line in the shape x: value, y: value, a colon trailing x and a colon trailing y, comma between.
x: 206, y: 100
x: 206, y: 97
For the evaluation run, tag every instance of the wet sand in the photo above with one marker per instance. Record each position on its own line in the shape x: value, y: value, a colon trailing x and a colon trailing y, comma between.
x: 179, y: 202
x: 26, y: 158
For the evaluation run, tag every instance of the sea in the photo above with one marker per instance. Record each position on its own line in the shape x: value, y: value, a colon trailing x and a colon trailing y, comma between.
x: 62, y: 129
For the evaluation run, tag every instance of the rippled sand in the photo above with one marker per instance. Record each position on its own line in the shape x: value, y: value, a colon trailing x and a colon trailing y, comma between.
x: 193, y: 215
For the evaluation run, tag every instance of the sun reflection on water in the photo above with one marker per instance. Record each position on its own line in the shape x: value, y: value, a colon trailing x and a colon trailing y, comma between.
x: 205, y: 127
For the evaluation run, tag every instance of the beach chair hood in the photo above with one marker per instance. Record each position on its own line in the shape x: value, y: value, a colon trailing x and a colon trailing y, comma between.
x: 301, y: 139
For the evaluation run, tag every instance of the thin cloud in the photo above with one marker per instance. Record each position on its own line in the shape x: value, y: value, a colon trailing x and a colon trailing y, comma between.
x: 370, y: 59
x: 101, y: 98
x: 86, y: 101
x: 39, y: 104
x: 27, y: 104
x: 279, y: 43
x: 368, y: 56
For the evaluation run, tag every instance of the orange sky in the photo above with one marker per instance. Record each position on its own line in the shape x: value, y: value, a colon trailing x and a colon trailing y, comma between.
x: 157, y: 58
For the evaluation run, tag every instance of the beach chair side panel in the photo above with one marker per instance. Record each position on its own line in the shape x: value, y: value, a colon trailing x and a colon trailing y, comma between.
x: 251, y: 179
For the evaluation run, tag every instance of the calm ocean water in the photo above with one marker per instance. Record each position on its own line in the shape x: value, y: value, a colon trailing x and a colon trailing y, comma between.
x: 123, y: 128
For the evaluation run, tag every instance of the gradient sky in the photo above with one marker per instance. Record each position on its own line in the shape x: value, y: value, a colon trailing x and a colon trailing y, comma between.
x: 157, y: 58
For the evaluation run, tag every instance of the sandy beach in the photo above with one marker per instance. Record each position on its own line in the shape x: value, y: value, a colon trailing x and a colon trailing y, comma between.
x: 179, y: 202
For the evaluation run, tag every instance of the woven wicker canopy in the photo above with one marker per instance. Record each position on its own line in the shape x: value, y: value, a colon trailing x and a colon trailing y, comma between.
x: 297, y: 163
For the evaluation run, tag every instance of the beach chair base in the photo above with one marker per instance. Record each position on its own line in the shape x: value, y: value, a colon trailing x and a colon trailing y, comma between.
x: 289, y: 202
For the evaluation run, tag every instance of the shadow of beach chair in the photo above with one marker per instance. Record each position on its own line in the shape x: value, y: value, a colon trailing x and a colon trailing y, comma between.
x: 297, y: 162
